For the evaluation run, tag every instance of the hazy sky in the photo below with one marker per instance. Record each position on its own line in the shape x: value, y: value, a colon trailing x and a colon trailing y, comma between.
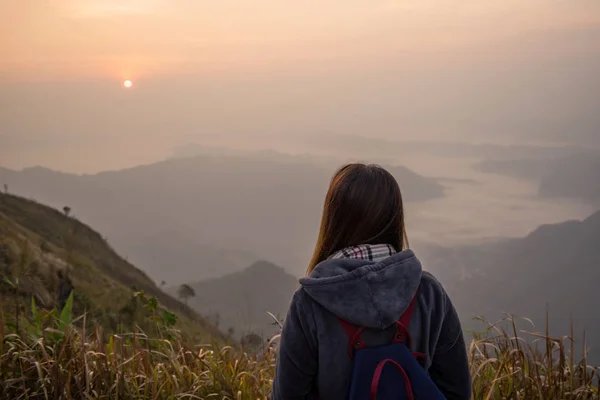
x: 486, y: 70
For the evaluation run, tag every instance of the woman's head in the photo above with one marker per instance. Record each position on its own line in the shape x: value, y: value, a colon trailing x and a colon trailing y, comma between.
x: 363, y: 206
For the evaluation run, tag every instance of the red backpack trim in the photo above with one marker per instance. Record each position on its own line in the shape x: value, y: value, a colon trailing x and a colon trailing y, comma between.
x: 401, y: 335
x: 377, y: 376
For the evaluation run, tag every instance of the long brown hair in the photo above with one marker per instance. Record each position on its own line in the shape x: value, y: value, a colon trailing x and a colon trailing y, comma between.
x: 363, y: 206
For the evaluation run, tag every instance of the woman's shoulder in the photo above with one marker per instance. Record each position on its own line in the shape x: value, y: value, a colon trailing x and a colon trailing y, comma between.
x: 431, y: 287
x: 428, y: 278
x: 301, y: 298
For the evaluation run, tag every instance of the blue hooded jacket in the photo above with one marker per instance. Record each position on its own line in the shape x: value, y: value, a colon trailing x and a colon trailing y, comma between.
x: 313, y: 360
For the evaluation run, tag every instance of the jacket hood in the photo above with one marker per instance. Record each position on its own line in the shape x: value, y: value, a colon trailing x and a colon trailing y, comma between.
x: 365, y: 293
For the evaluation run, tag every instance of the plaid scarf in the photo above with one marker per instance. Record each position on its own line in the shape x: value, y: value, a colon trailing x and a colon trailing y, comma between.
x: 371, y: 252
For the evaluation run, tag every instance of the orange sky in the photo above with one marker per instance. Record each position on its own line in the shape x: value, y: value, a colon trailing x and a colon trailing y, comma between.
x: 484, y: 70
x: 134, y: 38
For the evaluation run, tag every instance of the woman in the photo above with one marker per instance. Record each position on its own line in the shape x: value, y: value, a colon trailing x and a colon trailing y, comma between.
x: 362, y: 272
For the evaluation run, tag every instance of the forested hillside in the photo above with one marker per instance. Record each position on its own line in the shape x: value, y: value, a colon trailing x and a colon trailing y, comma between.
x: 46, y: 254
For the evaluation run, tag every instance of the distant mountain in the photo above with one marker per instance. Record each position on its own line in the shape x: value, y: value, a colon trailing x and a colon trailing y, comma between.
x: 373, y: 147
x: 576, y: 176
x: 38, y: 244
x: 241, y: 300
x: 556, y: 265
x: 531, y: 169
x: 189, y: 219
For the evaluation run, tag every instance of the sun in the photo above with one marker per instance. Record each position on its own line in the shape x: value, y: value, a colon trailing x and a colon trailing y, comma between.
x: 127, y: 83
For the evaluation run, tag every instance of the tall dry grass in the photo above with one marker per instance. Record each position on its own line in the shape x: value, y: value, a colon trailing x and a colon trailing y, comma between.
x: 507, y: 363
x: 62, y: 361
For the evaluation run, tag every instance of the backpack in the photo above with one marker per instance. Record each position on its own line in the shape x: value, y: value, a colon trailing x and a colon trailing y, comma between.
x: 389, y: 372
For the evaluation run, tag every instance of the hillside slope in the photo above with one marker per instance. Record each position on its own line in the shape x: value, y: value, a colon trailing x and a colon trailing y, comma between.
x: 557, y: 266
x: 242, y: 299
x: 38, y: 243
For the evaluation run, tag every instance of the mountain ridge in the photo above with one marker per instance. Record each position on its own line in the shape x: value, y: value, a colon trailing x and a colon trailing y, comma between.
x: 555, y: 266
x: 241, y: 301
x: 213, y: 202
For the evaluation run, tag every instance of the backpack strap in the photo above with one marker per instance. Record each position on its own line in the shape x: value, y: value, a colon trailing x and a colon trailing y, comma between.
x: 402, y: 335
x: 407, y: 315
x: 355, y: 341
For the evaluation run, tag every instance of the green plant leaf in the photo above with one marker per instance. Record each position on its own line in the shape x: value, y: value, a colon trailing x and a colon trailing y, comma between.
x: 169, y: 318
x: 36, y: 316
x: 8, y: 281
x: 152, y: 304
x: 65, y: 314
